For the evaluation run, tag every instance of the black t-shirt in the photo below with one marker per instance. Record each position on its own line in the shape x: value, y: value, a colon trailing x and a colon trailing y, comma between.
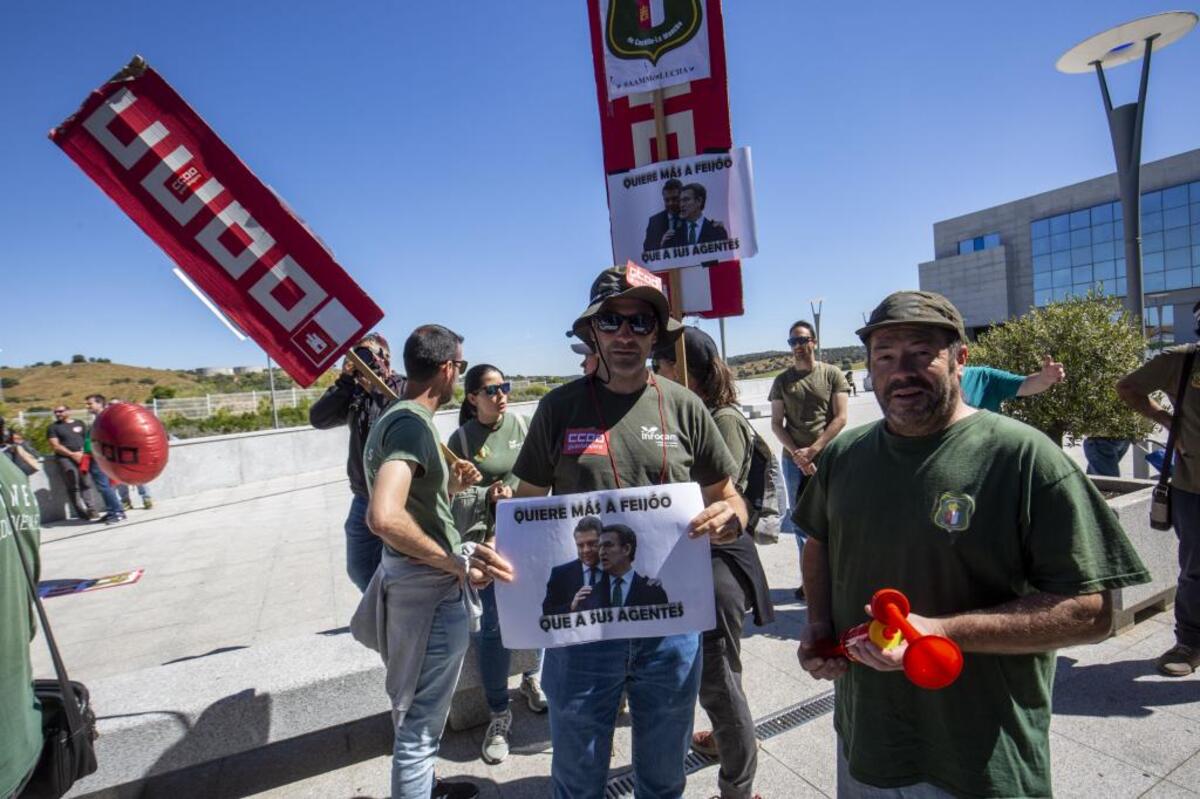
x: 69, y: 434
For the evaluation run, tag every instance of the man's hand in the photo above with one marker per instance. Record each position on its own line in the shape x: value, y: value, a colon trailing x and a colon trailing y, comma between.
x: 498, y: 491
x: 1052, y: 371
x: 806, y: 459
x: 486, y: 564
x: 718, y: 521
x: 463, y: 474
x: 867, y: 653
x: 580, y: 596
x: 77, y: 457
x: 668, y: 237
x: 819, y: 668
x: 348, y: 368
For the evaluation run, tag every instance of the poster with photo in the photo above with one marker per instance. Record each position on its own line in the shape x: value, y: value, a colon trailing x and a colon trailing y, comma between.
x: 601, y: 565
x: 684, y: 212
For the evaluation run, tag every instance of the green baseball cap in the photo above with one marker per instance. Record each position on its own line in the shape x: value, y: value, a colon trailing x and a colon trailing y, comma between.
x: 914, y: 308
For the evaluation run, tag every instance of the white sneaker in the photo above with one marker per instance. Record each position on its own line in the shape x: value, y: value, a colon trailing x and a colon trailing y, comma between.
x: 495, y: 740
x: 531, y: 689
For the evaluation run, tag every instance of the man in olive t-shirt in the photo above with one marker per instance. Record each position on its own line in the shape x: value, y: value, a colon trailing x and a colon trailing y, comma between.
x: 619, y: 428
x: 998, y: 539
x: 418, y: 596
x: 810, y: 403
x: 1162, y: 373
x: 20, y: 718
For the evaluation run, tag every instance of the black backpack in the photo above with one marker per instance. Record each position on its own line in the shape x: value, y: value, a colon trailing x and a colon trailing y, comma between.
x: 764, y: 486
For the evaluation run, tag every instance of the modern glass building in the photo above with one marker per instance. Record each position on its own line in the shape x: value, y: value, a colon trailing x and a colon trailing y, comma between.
x: 997, y: 263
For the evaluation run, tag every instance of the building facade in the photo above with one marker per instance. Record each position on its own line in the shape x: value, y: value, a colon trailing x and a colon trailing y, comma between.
x: 1000, y: 262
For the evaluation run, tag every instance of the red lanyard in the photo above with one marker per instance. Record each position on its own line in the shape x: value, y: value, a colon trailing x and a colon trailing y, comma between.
x: 662, y: 420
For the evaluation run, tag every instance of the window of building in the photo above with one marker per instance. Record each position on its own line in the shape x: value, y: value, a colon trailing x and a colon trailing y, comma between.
x: 978, y: 243
x: 1084, y: 249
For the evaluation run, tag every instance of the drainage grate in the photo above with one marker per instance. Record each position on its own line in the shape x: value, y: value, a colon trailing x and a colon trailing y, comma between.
x: 620, y: 784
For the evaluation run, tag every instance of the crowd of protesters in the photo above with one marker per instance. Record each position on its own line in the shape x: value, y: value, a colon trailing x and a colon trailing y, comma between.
x: 1001, y: 543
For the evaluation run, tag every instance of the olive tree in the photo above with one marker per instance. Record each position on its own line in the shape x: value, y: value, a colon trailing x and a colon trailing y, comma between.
x: 1098, y: 344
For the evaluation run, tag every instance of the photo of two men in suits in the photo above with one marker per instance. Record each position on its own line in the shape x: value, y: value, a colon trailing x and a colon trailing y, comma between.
x: 603, y: 576
x: 682, y: 219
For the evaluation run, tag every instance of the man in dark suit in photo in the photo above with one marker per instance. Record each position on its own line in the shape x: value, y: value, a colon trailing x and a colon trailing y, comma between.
x: 567, y: 579
x: 662, y: 230
x: 621, y: 586
x: 695, y: 227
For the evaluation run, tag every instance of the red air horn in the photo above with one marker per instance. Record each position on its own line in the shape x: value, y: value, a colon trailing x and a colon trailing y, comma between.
x: 931, y: 661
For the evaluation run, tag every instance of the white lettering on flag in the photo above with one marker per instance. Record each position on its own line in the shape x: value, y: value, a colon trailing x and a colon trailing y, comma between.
x: 311, y: 293
x: 97, y: 125
x: 168, y: 198
x: 231, y: 217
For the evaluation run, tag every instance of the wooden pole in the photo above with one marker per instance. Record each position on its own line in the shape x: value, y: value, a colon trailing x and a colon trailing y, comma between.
x: 378, y: 383
x: 676, y: 285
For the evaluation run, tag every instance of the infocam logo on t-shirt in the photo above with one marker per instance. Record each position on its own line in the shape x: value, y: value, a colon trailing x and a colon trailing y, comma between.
x: 654, y: 434
x: 584, y: 441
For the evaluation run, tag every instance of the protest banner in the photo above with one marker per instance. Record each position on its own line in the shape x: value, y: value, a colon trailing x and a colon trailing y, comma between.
x: 240, y: 244
x: 602, y: 565
x: 676, y: 122
x: 653, y: 44
x: 684, y: 212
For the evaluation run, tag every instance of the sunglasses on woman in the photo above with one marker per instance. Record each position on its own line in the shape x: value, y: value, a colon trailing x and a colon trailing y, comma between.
x: 641, y: 324
x: 496, y: 388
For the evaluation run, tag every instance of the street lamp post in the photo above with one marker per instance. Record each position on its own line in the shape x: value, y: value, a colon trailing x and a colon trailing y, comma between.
x: 1113, y: 47
x: 816, y: 313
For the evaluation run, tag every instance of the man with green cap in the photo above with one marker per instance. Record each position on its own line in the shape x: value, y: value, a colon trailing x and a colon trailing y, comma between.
x: 1000, y: 543
x: 617, y: 428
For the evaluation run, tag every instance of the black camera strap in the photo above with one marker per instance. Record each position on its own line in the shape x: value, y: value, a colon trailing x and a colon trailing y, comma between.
x: 1164, y: 474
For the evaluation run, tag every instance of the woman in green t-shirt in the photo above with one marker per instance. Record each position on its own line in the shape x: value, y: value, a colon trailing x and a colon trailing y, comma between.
x: 738, y: 578
x: 490, y: 438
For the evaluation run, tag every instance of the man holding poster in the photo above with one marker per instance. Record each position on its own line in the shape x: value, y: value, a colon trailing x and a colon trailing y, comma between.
x: 621, y: 428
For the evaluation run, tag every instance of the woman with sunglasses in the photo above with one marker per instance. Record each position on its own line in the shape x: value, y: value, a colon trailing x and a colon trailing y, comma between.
x: 490, y: 438
x: 738, y: 578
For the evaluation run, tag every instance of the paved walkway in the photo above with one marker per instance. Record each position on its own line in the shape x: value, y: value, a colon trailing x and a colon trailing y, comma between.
x: 261, y: 562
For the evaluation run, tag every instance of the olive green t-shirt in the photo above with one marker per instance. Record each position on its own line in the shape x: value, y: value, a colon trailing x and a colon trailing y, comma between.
x: 405, y: 432
x: 1162, y: 374
x: 984, y: 512
x: 808, y: 399
x: 492, y: 450
x: 567, y: 451
x: 738, y: 436
x: 20, y: 716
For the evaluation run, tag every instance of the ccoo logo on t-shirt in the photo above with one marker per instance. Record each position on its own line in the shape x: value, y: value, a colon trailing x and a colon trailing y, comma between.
x: 584, y: 441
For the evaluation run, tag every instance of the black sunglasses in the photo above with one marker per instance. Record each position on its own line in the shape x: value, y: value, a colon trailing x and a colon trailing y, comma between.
x: 641, y: 324
x: 798, y: 340
x: 462, y: 365
x: 496, y: 388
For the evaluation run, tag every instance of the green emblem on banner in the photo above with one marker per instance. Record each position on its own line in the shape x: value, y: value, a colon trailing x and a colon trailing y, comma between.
x: 953, y: 512
x: 633, y: 32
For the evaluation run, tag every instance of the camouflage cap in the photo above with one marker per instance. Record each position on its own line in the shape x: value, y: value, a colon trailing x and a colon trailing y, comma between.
x: 914, y: 308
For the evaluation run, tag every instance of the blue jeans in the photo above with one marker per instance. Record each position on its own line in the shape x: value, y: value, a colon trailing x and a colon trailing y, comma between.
x: 419, y: 733
x: 493, y: 657
x: 363, y: 548
x: 123, y: 492
x: 109, y: 494
x: 793, y: 479
x: 1104, y: 455
x: 584, y: 683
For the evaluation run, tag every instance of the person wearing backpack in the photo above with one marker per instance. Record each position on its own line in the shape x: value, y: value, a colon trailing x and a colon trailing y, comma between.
x: 738, y: 578
x: 490, y: 437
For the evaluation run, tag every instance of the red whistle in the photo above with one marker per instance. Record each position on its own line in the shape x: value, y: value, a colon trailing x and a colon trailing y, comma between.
x: 931, y: 661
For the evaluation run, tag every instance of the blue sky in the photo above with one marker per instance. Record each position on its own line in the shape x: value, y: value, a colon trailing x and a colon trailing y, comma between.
x: 449, y: 154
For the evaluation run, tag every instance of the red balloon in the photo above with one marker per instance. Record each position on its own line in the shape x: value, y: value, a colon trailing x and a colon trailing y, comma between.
x: 130, y: 443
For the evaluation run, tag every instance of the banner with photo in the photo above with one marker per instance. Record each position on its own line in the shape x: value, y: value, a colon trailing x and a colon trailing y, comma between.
x: 684, y: 212
x: 652, y: 44
x: 601, y: 565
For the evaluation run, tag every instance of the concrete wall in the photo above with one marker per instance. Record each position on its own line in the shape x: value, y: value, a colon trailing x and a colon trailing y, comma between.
x: 976, y: 282
x: 204, y: 464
